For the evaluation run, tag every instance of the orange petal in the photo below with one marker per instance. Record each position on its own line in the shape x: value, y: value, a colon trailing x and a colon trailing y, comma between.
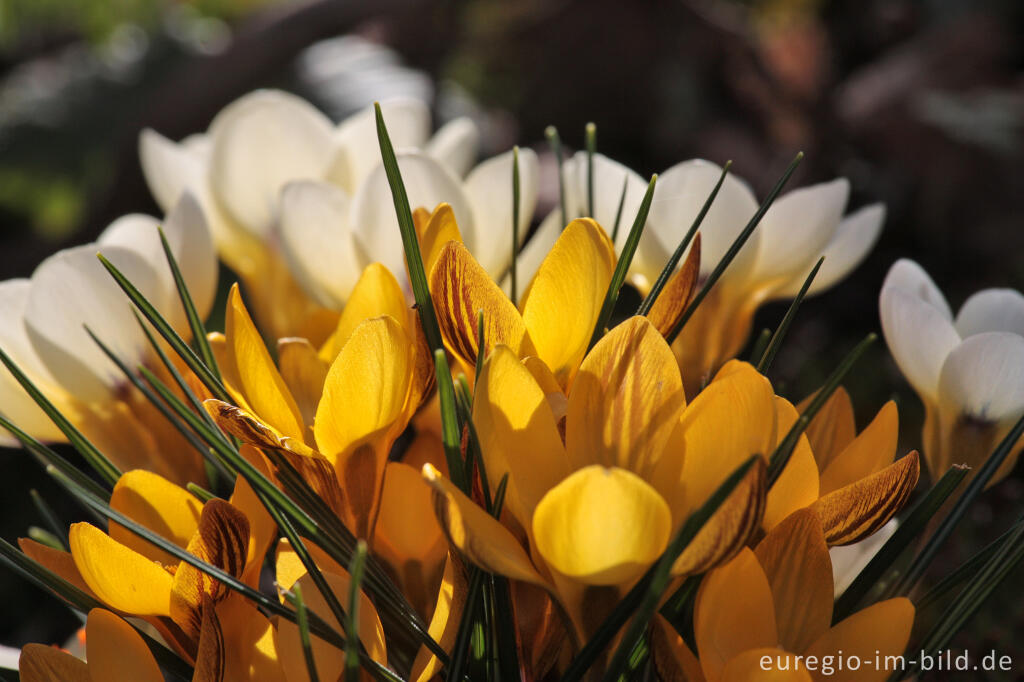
x: 678, y: 292
x: 116, y: 651
x: 833, y: 428
x: 460, y: 289
x: 877, y: 632
x: 672, y: 657
x: 304, y: 372
x: 210, y: 657
x: 765, y: 665
x: 734, y: 612
x: 40, y: 663
x: 55, y: 561
x: 795, y: 558
x: 154, y: 502
x: 439, y: 229
x: 868, y: 453
x: 562, y: 303
x: 250, y: 652
x: 855, y: 511
x: 797, y: 485
x: 444, y: 624
x: 262, y: 528
x: 376, y: 293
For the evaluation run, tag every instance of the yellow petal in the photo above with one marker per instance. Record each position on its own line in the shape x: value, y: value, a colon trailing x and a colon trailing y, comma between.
x: 376, y: 293
x: 477, y: 534
x: 518, y: 433
x: 797, y: 485
x: 625, y: 402
x: 602, y: 526
x: 444, y: 623
x: 260, y: 382
x: 833, y: 428
x: 460, y: 288
x: 303, y: 372
x: 729, y: 528
x: 119, y: 576
x: 250, y: 429
x: 562, y: 304
x: 56, y: 561
x: 222, y: 539
x: 250, y: 652
x: 730, y: 420
x: 115, y: 651
x: 159, y: 505
x: 795, y: 558
x: 439, y: 229
x: 672, y: 657
x: 855, y: 511
x: 733, y: 612
x: 871, y: 451
x: 330, y: 661
x: 40, y: 663
x: 765, y: 665
x: 874, y: 633
x: 678, y: 292
x: 262, y: 528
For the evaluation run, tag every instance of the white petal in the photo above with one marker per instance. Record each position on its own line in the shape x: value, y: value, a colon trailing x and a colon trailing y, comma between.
x: 261, y: 142
x: 911, y: 278
x: 919, y: 337
x: 797, y: 227
x: 489, y: 188
x: 15, y: 404
x: 170, y: 168
x: 455, y: 145
x: 984, y: 376
x: 853, y: 239
x: 678, y: 197
x: 427, y: 184
x: 9, y: 657
x: 71, y: 289
x: 408, y: 124
x: 849, y: 560
x: 991, y: 310
x: 609, y: 177
x: 317, y: 241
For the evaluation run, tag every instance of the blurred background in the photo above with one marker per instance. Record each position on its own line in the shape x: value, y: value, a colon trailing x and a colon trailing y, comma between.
x: 919, y: 104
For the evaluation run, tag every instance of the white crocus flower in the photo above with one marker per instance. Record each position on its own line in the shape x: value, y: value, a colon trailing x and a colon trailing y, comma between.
x: 801, y: 226
x: 42, y: 328
x: 968, y: 370
x: 276, y: 176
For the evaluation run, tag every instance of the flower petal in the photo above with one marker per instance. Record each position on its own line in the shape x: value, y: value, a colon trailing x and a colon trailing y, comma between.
x: 154, y: 502
x: 55, y: 561
x: 444, y: 623
x: 906, y: 275
x: 671, y: 303
x: 832, y: 429
x: 259, y: 143
x: 797, y: 486
x: 455, y: 145
x: 439, y: 229
x: 869, y: 452
x: 42, y: 663
x: 625, y: 402
x: 795, y: 559
x: 766, y: 664
x: 857, y: 510
x: 919, y: 336
x: 849, y: 560
x: 116, y: 651
x: 673, y: 659
x: 460, y: 288
x: 602, y: 526
x: 170, y: 168
x: 489, y: 189
x: 991, y: 310
x: 609, y: 176
x: 408, y: 123
x: 518, y: 433
x: 563, y: 302
x: 407, y: 530
x: 376, y: 293
x: 303, y: 372
x: 734, y: 612
x: 535, y: 251
x: 477, y: 534
x: 119, y: 576
x: 877, y: 632
x: 317, y: 240
x: 983, y: 377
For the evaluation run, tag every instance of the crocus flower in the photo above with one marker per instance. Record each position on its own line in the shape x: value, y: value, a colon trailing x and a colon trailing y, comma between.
x: 968, y: 370
x: 763, y: 615
x: 42, y: 328
x: 799, y: 227
x: 295, y: 200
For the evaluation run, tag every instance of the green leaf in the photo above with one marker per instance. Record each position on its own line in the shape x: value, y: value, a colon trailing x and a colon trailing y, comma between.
x: 450, y: 434
x: 734, y: 249
x: 677, y: 255
x: 303, y: 622
x: 57, y: 529
x: 914, y: 524
x: 551, y: 133
x: 622, y: 266
x: 45, y: 537
x: 967, y: 569
x: 760, y: 344
x: 355, y: 571
x: 780, y: 333
x: 410, y: 242
x: 618, y: 211
x: 200, y: 492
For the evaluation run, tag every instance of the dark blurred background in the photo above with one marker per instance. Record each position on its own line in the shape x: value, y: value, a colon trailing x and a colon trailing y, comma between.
x: 919, y: 104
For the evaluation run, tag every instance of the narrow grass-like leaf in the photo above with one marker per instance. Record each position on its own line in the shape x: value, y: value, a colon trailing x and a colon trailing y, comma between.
x: 46, y: 456
x: 410, y: 242
x: 642, y: 600
x: 165, y: 330
x: 355, y: 585
x: 776, y: 341
x: 677, y: 255
x: 514, y: 274
x: 622, y: 266
x: 780, y: 457
x: 96, y: 459
x: 961, y: 574
x: 195, y: 322
x: 481, y: 344
x: 474, y: 455
x: 977, y: 484
x: 450, y: 435
x: 303, y: 621
x: 734, y: 249
x: 590, y: 135
x: 551, y: 133
x: 45, y: 537
x: 757, y: 350
x: 58, y: 529
x: 618, y: 211
x: 200, y: 492
x: 912, y: 526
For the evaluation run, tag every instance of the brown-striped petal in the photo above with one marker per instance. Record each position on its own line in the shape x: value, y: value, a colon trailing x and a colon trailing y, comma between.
x: 678, y: 292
